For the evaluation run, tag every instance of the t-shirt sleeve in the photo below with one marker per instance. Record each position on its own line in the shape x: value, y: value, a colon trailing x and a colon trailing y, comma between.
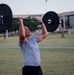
x: 19, y: 43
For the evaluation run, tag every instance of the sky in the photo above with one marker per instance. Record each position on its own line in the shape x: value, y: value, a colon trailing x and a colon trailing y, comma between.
x: 20, y: 7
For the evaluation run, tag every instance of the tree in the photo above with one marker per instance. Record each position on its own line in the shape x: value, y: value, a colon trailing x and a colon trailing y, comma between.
x: 27, y: 22
x: 14, y: 26
x: 31, y: 23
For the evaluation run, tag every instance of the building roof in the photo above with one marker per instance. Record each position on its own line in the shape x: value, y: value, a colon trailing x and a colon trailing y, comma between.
x: 67, y: 13
x: 41, y: 15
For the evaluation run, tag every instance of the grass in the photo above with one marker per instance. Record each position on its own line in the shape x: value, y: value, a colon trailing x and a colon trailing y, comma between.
x: 51, y: 40
x: 10, y: 62
x: 9, y: 41
x: 56, y: 40
x: 54, y: 61
x: 58, y: 62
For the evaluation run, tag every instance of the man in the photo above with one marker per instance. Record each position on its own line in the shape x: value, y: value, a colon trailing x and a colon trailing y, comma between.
x: 30, y: 50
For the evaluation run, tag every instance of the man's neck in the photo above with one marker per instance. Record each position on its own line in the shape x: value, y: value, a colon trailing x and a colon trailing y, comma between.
x: 28, y: 36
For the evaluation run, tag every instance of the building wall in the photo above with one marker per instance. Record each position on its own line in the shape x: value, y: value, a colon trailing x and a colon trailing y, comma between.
x: 67, y: 17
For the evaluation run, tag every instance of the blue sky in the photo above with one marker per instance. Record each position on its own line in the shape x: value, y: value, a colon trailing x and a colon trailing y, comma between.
x: 39, y: 6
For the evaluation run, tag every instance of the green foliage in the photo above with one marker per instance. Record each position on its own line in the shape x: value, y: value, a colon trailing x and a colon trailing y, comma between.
x: 14, y: 26
x: 27, y: 22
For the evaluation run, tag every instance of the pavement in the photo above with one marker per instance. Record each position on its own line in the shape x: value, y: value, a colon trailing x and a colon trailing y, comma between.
x: 48, y: 47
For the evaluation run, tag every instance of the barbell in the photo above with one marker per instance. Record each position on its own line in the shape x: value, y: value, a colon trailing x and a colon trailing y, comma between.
x: 50, y: 19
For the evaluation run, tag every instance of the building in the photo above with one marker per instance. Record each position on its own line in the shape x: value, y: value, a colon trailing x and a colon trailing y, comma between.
x: 66, y: 19
x: 37, y: 16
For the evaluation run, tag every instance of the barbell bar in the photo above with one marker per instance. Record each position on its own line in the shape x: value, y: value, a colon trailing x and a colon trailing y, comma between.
x: 50, y: 19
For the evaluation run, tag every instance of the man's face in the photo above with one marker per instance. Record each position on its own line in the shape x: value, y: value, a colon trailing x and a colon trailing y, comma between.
x: 27, y: 31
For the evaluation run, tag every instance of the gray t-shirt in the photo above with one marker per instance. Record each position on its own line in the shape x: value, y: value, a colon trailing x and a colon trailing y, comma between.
x: 30, y: 51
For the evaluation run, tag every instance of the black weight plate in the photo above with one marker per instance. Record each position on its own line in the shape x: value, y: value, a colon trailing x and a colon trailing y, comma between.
x: 6, y: 12
x: 54, y: 21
